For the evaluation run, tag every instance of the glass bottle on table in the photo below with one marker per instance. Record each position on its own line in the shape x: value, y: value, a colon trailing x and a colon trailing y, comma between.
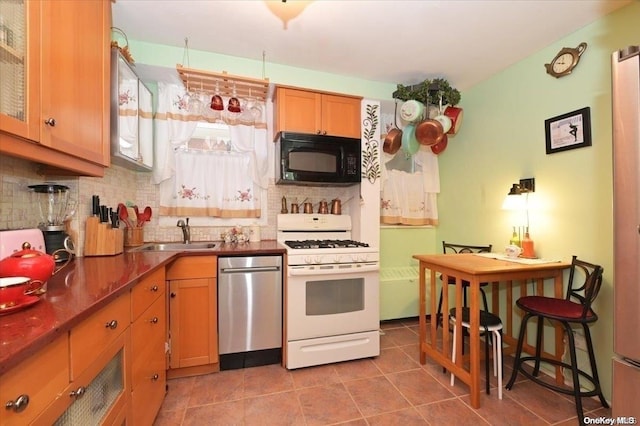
x: 527, y: 246
x: 515, y: 238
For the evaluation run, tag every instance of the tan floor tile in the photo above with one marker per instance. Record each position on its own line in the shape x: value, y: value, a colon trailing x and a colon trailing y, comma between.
x: 266, y: 379
x: 393, y: 360
x: 319, y: 375
x: 274, y: 409
x: 503, y: 412
x: 217, y: 387
x: 327, y: 404
x: 357, y: 369
x: 376, y: 396
x: 179, y: 391
x: 402, y: 336
x: 223, y: 413
x: 419, y: 387
x: 169, y: 418
x: 452, y: 412
x: 406, y: 417
x: 545, y: 403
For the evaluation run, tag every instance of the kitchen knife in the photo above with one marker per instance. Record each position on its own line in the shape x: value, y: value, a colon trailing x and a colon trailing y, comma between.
x: 95, y: 205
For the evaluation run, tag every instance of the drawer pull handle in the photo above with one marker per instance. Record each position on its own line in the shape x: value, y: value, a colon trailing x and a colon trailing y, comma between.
x: 155, y: 377
x: 154, y: 288
x: 50, y: 122
x: 113, y: 324
x: 154, y: 320
x: 78, y: 392
x: 19, y: 404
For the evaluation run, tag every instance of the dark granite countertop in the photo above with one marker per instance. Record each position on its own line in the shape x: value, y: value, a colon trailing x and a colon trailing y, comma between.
x: 86, y: 285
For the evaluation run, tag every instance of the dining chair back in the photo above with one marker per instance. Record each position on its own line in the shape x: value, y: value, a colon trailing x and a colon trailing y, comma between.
x: 451, y: 248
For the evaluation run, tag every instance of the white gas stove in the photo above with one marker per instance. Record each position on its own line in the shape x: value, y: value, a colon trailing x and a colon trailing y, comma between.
x: 322, y: 239
x: 332, y: 292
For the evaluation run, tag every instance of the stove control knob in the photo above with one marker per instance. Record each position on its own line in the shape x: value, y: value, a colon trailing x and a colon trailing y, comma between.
x: 308, y: 259
x: 336, y: 258
x: 354, y: 257
x: 318, y: 259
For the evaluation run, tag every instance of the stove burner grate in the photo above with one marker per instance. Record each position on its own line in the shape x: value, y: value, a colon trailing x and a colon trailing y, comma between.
x: 315, y: 244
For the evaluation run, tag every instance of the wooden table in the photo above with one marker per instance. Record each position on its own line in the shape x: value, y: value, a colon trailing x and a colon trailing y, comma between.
x: 478, y: 269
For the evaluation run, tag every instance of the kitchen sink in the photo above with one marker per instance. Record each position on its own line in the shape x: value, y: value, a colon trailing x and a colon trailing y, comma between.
x: 175, y: 246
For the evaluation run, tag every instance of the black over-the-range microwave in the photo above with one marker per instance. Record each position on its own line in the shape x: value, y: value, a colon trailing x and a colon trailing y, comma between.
x: 318, y: 160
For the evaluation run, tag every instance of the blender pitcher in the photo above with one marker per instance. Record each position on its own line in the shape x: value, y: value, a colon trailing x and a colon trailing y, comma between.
x: 52, y: 200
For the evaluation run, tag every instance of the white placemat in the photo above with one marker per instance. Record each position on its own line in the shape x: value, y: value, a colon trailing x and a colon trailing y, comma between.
x: 502, y: 256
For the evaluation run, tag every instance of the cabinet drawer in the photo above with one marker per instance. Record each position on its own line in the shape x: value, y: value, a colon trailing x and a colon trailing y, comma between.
x: 146, y: 292
x: 41, y: 377
x: 93, y: 335
x: 146, y: 400
x: 193, y: 267
x: 148, y: 345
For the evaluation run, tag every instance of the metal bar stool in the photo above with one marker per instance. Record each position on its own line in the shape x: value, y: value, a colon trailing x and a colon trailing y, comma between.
x: 492, y: 326
x: 584, y: 290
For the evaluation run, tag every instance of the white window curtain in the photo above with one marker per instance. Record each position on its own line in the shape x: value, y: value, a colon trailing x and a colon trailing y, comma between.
x: 411, y: 198
x: 224, y: 183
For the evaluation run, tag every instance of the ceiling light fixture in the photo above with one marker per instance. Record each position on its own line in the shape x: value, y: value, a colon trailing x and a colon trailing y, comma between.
x: 286, y: 11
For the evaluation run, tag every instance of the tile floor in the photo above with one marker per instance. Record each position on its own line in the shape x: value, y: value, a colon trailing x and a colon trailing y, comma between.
x: 392, y: 389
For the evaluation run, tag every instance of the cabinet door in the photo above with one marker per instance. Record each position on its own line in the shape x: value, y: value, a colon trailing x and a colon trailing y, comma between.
x: 341, y: 116
x: 20, y: 70
x: 193, y: 322
x: 298, y: 111
x: 34, y: 383
x: 148, y: 374
x: 75, y: 68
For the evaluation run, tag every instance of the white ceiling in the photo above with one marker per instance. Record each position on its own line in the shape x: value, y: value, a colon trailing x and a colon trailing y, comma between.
x: 400, y: 42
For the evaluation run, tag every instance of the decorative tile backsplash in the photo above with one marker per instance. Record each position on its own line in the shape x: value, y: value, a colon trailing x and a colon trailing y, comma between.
x: 119, y: 185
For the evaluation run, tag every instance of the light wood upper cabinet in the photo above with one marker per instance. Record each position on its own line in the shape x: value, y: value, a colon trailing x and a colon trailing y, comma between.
x: 307, y: 111
x: 60, y: 116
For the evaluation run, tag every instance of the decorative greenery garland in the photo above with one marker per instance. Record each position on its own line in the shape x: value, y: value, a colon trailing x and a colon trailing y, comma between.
x: 428, y: 92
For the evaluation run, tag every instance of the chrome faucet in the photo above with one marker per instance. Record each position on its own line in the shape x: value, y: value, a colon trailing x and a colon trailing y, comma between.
x: 186, y: 230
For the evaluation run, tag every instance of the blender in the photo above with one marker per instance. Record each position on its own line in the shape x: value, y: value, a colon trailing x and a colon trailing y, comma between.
x: 53, y: 201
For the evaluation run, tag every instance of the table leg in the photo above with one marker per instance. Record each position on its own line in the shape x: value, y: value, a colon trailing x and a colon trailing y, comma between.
x: 423, y: 314
x: 474, y: 338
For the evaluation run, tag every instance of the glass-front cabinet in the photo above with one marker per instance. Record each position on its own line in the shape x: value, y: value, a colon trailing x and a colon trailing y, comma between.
x: 131, y: 117
x: 54, y: 90
x: 16, y: 111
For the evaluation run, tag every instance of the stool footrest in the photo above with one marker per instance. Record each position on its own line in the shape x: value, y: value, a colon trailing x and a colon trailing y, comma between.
x: 566, y: 390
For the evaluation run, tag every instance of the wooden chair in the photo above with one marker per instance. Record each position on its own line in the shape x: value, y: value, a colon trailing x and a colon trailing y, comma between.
x: 585, y: 280
x: 462, y: 248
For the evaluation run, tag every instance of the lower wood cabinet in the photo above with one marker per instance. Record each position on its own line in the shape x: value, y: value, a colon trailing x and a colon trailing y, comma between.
x: 193, y: 326
x: 31, y: 386
x: 148, y: 337
x: 110, y: 369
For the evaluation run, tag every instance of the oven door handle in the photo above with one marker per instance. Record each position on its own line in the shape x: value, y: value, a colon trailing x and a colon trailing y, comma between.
x: 333, y: 269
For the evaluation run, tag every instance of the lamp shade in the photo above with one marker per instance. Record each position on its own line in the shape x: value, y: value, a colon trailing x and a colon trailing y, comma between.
x: 514, y: 202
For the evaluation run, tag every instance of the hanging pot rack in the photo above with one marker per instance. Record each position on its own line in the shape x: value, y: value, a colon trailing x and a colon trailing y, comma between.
x: 223, y: 84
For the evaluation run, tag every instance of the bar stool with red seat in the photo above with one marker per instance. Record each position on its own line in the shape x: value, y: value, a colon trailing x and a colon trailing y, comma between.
x: 567, y: 312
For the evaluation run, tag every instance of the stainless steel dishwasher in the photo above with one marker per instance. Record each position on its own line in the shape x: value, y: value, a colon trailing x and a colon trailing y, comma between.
x: 249, y: 311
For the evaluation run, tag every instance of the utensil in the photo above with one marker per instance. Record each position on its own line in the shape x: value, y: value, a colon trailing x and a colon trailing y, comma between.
x: 440, y: 146
x: 429, y: 132
x: 455, y: 114
x: 412, y: 111
x: 138, y: 218
x: 409, y: 142
x: 123, y: 214
x: 336, y: 206
x: 393, y: 140
x: 147, y: 214
x: 323, y: 208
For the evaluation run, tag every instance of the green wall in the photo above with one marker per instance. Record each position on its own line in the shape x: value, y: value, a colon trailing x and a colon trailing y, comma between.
x: 501, y: 141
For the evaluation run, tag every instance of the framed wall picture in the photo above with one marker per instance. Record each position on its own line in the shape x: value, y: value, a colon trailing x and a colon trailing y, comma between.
x: 568, y: 131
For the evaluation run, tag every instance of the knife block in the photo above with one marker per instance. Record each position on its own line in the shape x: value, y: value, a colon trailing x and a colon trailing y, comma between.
x: 101, y: 239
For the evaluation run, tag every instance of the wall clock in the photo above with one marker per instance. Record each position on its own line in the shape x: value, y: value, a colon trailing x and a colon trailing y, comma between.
x: 565, y: 61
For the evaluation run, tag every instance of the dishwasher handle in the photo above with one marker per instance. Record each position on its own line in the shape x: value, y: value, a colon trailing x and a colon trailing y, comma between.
x: 250, y: 269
